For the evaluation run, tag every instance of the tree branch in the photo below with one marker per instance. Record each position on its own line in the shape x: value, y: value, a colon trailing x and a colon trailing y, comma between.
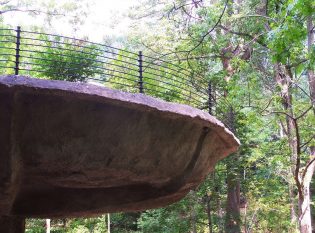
x: 258, y: 16
x: 306, y: 167
x: 37, y: 12
x: 303, y: 114
x: 244, y: 34
x: 202, y: 38
x: 268, y: 104
x: 308, y: 141
x: 209, y: 31
x: 299, y: 182
x: 279, y: 112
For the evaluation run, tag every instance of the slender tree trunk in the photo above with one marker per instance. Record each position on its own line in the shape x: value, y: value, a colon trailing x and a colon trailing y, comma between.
x: 64, y: 223
x: 208, y: 200
x: 232, y: 219
x: 305, y: 221
x: 293, y: 214
x: 283, y: 80
x: 193, y: 221
x: 305, y: 218
x: 310, y: 71
x: 219, y: 214
x: 302, y: 177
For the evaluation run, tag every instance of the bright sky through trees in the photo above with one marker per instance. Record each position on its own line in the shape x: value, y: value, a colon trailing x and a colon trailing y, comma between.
x: 104, y: 18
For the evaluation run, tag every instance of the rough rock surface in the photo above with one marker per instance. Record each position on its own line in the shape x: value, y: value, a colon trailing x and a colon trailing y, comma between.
x: 73, y: 149
x: 12, y: 224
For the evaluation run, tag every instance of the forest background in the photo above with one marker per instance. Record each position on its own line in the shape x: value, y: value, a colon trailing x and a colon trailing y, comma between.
x: 258, y: 56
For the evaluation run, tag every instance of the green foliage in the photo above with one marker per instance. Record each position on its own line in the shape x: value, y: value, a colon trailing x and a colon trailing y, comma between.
x: 287, y: 35
x: 124, y: 222
x: 7, y: 51
x: 174, y: 218
x: 35, y: 226
x: 64, y: 59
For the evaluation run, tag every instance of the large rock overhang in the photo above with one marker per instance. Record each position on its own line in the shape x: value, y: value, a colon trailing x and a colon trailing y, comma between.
x: 74, y: 149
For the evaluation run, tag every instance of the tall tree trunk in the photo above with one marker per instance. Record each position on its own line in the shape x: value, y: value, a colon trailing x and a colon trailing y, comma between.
x: 293, y: 214
x: 310, y: 71
x: 283, y: 80
x: 64, y: 223
x: 208, y: 200
x: 232, y: 218
x: 194, y: 221
x: 219, y: 214
x: 302, y: 177
x: 192, y: 196
x: 305, y: 218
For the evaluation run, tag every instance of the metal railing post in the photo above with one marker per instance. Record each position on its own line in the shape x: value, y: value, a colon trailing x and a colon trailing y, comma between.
x: 210, y: 98
x: 17, y: 50
x: 140, y: 73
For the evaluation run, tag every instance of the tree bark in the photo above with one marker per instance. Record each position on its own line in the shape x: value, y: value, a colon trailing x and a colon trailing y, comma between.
x: 302, y: 177
x: 232, y: 218
x: 305, y: 218
x: 220, y: 214
x: 194, y: 221
x: 283, y: 80
x: 310, y: 71
x: 293, y: 213
x: 208, y: 199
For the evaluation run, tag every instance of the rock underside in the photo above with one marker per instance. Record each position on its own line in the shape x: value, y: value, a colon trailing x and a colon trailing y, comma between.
x: 71, y: 149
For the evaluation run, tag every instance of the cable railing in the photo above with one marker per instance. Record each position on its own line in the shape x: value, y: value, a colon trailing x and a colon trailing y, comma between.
x: 49, y: 56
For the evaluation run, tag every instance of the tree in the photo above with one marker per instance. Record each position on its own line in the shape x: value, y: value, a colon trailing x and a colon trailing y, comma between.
x: 269, y: 36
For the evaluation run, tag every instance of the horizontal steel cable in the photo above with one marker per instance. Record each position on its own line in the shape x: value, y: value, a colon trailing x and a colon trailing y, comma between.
x: 72, y: 38
x: 81, y: 77
x: 167, y: 83
x: 165, y: 93
x: 63, y: 55
x: 36, y: 51
x: 76, y: 68
x: 157, y: 59
x: 189, y: 81
x: 79, y: 46
x: 165, y: 88
x: 148, y: 67
x: 63, y: 49
x: 73, y: 63
x: 67, y: 62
